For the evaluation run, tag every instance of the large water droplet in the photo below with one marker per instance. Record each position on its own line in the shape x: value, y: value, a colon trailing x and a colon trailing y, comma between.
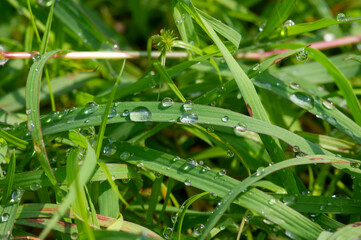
x: 188, y: 182
x: 5, y: 217
x: 90, y: 108
x: 110, y: 149
x: 16, y: 195
x: 167, y: 102
x: 341, y: 17
x: 188, y: 105
x: 140, y: 114
x: 303, y: 100
x: 239, y: 129
x: 225, y: 119
x: 3, y: 60
x: 189, y: 117
x: 302, y: 56
x: 288, y: 23
x: 112, y: 113
x: 36, y: 57
x: 35, y: 186
x: 198, y: 229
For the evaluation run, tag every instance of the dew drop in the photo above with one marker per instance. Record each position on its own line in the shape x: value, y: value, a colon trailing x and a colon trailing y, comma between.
x: 327, y: 104
x: 303, y: 100
x: 192, y: 162
x: 261, y: 27
x: 328, y: 37
x: 222, y: 172
x: 157, y: 174
x: 256, y: 68
x: 322, y: 207
x: 140, y: 114
x: 124, y: 155
x: 331, y: 120
x: 295, y: 149
x: 125, y: 113
x: 36, y: 57
x: 259, y: 171
x: 188, y: 182
x: 3, y: 60
x: 302, y: 56
x: 188, y: 105
x: 210, y: 129
x: 35, y: 186
x: 230, y: 154
x: 167, y: 102
x: 205, y: 169
x: 240, y: 128
x: 288, y: 23
x: 225, y: 119
x: 198, y: 229
x: 176, y: 158
x: 28, y: 111
x: 272, y: 201
x: 140, y: 164
x: 189, y: 117
x: 341, y: 17
x: 167, y: 233
x: 174, y: 217
x: 90, y: 108
x: 110, y: 149
x: 16, y: 195
x: 355, y: 164
x: 212, y: 195
x: 222, y: 227
x: 294, y: 85
x: 112, y: 113
x: 125, y: 180
x: 5, y: 217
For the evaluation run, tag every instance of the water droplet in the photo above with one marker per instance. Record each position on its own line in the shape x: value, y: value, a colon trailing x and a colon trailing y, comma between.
x: 222, y: 227
x: 322, y: 207
x: 174, y: 218
x: 303, y: 100
x: 341, y: 17
x: 116, y: 47
x: 188, y: 117
x: 295, y: 149
x: 331, y: 120
x: 300, y: 154
x: 112, y: 113
x: 167, y: 102
x: 36, y: 57
x: 294, y: 85
x: 125, y: 180
x: 261, y: 27
x: 192, y: 162
x: 140, y: 164
x: 328, y: 37
x: 240, y: 128
x: 176, y: 158
x: 210, y: 129
x: 272, y: 201
x: 230, y: 154
x: 110, y: 149
x: 188, y: 182
x: 225, y: 119
x: 288, y: 23
x: 140, y: 114
x: 124, y: 155
x: 260, y: 171
x: 167, y: 233
x: 5, y: 217
x: 355, y: 164
x: 222, y: 172
x: 3, y: 60
x: 16, y: 195
x: 327, y: 104
x: 87, y: 121
x: 35, y: 186
x: 188, y: 105
x: 212, y: 195
x: 36, y: 69
x: 198, y: 229
x: 90, y: 108
x: 28, y: 111
x: 125, y: 113
x: 256, y: 68
x: 302, y: 56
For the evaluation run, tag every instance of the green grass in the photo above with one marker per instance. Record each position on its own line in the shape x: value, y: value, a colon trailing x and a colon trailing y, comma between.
x: 240, y: 148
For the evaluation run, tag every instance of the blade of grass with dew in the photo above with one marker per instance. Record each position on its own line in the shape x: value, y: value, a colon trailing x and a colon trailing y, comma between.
x: 99, y: 141
x: 13, y: 140
x: 84, y: 175
x: 281, y: 11
x: 261, y: 173
x: 9, y: 180
x: 33, y: 111
x: 15, y: 100
x: 309, y: 27
x: 186, y: 205
x: 211, y: 181
x: 350, y: 231
x: 253, y: 103
x: 8, y: 214
x: 25, y: 180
